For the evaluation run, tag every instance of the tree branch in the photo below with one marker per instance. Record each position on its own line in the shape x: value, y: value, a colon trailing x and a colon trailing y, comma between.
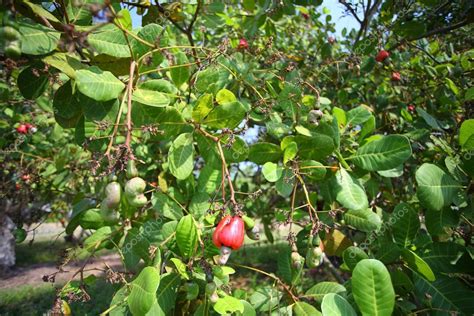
x: 129, y: 109
x: 441, y: 30
x: 351, y: 10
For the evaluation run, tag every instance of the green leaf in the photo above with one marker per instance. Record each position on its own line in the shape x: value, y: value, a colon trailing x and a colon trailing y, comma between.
x: 186, y: 236
x: 430, y: 120
x: 290, y: 152
x: 110, y: 41
x: 166, y: 206
x: 32, y: 84
x: 317, y: 147
x: 416, y: 263
x: 93, y: 241
x: 248, y: 309
x: 265, y: 299
x: 119, y: 299
x: 410, y: 29
x: 405, y: 225
x: 199, y: 203
x: 363, y: 219
x: 124, y: 19
x: 466, y: 135
x: 64, y: 62
x: 305, y: 309
x: 348, y: 191
x: 91, y: 219
x: 228, y: 304
x: 439, y: 223
x: 469, y: 95
x: 384, y: 153
x: 238, y: 150
x: 166, y: 295
x: 203, y: 106
x: 284, y: 185
x: 180, y: 75
x: 181, y: 156
x: 353, y: 255
x: 263, y: 152
x: 180, y: 268
x: 443, y: 257
x: 313, y: 169
x: 358, y: 116
x: 37, y: 39
x: 225, y: 96
x: 272, y: 172
x: 319, y: 290
x: 143, y: 291
x: 372, y: 288
x: 40, y: 11
x: 335, y: 305
x: 97, y: 84
x: 227, y: 115
x: 149, y: 97
x: 170, y: 120
x: 436, y: 189
x: 150, y: 33
x: 446, y: 294
x: 392, y: 173
x: 452, y: 86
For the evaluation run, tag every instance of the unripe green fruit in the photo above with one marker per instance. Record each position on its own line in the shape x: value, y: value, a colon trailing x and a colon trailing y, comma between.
x: 296, y: 260
x: 113, y: 193
x: 214, y: 298
x: 192, y: 290
x: 314, y: 257
x: 9, y: 33
x: 132, y: 170
x: 134, y: 186
x: 211, y: 288
x: 254, y: 233
x: 138, y: 201
x: 13, y: 50
x: 248, y: 222
x: 134, y: 192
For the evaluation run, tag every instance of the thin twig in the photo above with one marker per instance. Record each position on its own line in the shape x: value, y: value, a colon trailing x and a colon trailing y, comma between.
x: 129, y: 109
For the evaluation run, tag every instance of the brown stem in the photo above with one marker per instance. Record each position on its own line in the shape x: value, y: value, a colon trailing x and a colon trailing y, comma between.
x: 227, y: 174
x: 129, y: 109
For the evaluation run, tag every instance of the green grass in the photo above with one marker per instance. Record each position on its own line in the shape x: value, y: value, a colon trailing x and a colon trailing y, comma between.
x: 28, y: 300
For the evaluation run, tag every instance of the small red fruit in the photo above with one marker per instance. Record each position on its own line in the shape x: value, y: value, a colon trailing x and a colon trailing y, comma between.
x: 305, y: 16
x: 243, y: 44
x: 229, y: 232
x: 411, y: 108
x: 25, y: 177
x: 382, y: 55
x: 396, y: 76
x: 22, y: 129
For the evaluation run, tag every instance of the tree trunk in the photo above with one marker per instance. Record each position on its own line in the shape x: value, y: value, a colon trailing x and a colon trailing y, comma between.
x: 7, y: 243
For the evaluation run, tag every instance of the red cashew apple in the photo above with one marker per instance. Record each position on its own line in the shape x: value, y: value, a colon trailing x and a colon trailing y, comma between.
x: 229, y: 234
x: 243, y: 44
x: 411, y: 108
x: 382, y: 55
x: 22, y: 129
x: 396, y: 76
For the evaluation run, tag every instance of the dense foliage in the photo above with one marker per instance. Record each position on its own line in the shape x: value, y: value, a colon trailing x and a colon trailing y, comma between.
x: 359, y: 144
